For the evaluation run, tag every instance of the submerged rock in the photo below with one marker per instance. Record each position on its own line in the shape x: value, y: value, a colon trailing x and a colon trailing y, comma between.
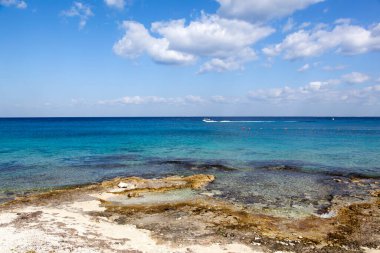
x: 199, y: 166
x: 140, y: 185
x: 174, y: 210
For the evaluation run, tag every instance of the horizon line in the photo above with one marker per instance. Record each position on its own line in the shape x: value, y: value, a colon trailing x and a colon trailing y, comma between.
x: 57, y: 117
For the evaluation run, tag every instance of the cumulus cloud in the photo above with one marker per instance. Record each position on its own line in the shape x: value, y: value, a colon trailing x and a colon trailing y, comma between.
x: 219, y: 65
x: 137, y: 40
x: 261, y: 10
x: 193, y: 99
x: 135, y: 100
x: 304, y: 68
x: 211, y: 35
x: 317, y: 91
x: 118, y: 4
x: 344, y: 38
x: 80, y: 10
x: 218, y: 99
x: 228, y: 63
x: 284, y: 94
x: 355, y: 78
x: 189, y: 100
x: 16, y: 3
x: 142, y: 100
x: 225, y: 44
x: 369, y: 95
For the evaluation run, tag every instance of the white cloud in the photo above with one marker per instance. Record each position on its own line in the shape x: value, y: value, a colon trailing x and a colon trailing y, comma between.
x: 137, y: 41
x: 318, y: 92
x: 118, y: 4
x: 193, y: 99
x: 80, y: 10
x: 228, y: 64
x: 218, y: 99
x: 16, y: 3
x: 375, y: 88
x: 343, y: 21
x: 304, y: 25
x: 289, y: 25
x: 344, y: 38
x: 224, y: 43
x: 261, y: 10
x: 132, y: 100
x: 355, y: 78
x: 369, y: 95
x: 142, y: 100
x: 137, y: 100
x: 274, y: 94
x: 211, y: 35
x: 219, y: 65
x: 189, y: 100
x: 288, y: 93
x: 304, y: 68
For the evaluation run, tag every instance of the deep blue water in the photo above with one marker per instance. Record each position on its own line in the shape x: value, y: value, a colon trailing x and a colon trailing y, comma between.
x: 43, y: 153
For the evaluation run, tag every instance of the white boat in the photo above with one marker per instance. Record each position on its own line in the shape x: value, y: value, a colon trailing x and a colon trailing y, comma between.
x: 207, y: 120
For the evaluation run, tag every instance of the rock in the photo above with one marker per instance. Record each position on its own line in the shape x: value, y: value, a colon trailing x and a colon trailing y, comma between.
x: 133, y: 195
x: 208, y: 194
x: 127, y: 186
x: 328, y: 215
x: 216, y: 192
x: 116, y: 190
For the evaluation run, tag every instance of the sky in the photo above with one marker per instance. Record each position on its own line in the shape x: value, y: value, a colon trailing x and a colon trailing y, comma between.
x: 189, y: 58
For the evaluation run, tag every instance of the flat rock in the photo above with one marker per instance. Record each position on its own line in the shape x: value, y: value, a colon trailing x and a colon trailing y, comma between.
x: 127, y: 186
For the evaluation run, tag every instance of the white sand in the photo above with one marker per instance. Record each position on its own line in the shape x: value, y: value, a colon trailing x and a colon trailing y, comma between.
x: 68, y: 228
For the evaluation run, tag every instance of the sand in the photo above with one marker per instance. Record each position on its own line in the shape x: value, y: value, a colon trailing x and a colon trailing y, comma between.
x: 68, y: 228
x: 173, y: 215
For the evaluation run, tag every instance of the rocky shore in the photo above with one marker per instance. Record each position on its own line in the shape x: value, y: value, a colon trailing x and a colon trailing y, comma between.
x: 177, y: 214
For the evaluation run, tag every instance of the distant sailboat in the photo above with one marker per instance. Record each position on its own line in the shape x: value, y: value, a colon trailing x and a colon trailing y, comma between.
x: 333, y: 119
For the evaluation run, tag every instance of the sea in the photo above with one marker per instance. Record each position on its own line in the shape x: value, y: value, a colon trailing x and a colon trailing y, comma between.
x: 285, y: 162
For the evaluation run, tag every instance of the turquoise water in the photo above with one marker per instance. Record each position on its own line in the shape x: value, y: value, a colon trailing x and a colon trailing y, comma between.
x: 265, y: 155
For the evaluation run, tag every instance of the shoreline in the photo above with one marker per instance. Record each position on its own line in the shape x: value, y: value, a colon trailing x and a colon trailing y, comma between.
x: 176, y: 214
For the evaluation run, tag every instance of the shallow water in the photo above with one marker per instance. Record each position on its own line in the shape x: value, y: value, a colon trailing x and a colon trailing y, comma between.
x: 38, y: 154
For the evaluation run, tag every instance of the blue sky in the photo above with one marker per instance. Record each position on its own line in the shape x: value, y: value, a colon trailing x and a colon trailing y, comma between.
x: 189, y: 58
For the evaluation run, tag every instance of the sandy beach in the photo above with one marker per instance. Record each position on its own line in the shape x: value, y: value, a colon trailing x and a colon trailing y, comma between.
x: 175, y: 214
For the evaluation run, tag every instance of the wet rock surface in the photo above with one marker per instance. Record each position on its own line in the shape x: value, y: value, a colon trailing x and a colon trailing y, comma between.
x: 177, y: 213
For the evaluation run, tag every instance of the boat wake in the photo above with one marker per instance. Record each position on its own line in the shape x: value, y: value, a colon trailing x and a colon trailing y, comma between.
x: 246, y: 121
